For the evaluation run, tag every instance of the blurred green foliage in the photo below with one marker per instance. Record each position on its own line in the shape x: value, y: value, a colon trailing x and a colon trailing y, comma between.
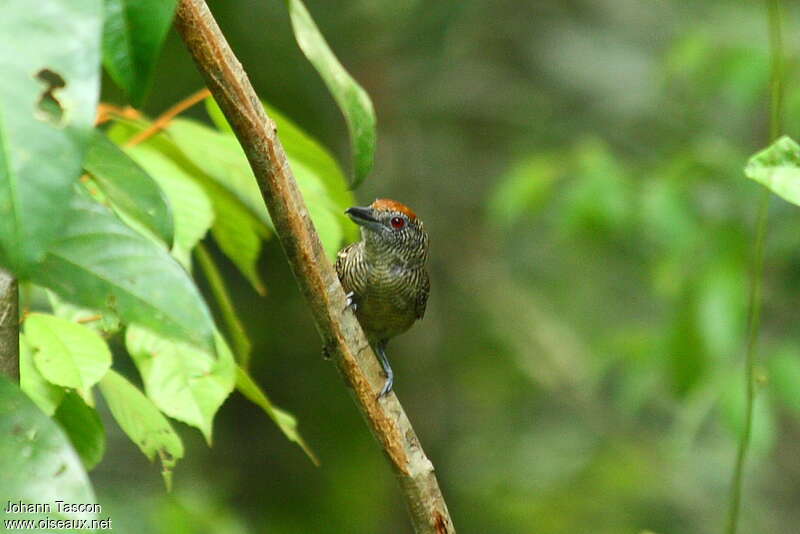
x: 580, y: 168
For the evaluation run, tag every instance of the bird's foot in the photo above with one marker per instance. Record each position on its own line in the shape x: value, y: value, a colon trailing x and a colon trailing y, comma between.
x: 351, y: 301
x: 387, y: 387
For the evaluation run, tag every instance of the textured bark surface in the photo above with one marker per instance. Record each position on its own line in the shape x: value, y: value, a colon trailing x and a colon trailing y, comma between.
x: 341, y: 334
x: 9, y: 326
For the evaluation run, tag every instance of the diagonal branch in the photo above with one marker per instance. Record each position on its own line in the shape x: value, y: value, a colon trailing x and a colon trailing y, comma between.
x: 340, y: 331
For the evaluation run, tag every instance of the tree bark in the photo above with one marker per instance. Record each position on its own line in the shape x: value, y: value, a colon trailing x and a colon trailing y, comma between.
x: 9, y: 326
x: 341, y: 334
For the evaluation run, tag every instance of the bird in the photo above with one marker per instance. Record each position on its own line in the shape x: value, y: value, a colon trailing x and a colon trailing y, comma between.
x: 384, y: 274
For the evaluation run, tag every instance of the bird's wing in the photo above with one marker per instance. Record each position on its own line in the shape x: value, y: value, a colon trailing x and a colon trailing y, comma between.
x: 341, y: 259
x: 422, y: 299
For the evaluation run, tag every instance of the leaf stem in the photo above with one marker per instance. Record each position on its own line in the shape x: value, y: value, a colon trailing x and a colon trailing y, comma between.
x: 241, y: 344
x: 754, y: 304
x: 163, y: 120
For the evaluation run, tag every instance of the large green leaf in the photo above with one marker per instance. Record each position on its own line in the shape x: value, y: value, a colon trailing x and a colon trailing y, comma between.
x: 303, y: 149
x: 133, y: 33
x: 285, y: 421
x: 129, y: 188
x: 185, y: 383
x: 351, y: 98
x: 103, y: 264
x: 37, y: 461
x: 142, y: 422
x: 83, y: 426
x: 45, y: 395
x: 67, y: 354
x: 778, y: 168
x: 48, y: 95
x: 191, y: 207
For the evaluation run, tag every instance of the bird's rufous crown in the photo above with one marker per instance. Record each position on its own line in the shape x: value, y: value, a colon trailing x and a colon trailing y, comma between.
x: 387, y: 204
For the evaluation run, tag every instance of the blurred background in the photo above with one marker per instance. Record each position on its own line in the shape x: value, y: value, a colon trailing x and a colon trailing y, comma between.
x: 578, y: 165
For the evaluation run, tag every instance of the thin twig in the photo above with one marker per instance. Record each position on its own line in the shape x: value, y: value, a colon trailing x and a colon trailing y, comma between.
x: 338, y: 327
x: 164, y: 119
x: 754, y: 303
x: 106, y: 112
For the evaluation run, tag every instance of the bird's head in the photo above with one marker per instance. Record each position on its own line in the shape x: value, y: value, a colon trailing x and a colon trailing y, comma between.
x: 392, y: 228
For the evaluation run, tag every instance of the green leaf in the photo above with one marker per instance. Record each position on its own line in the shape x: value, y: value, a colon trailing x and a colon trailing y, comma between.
x: 142, y: 422
x: 44, y: 394
x: 48, y: 96
x: 133, y: 34
x: 285, y: 421
x: 353, y: 101
x: 38, y: 463
x: 784, y: 377
x: 185, y: 383
x: 129, y: 188
x: 191, y: 207
x: 83, y: 426
x: 103, y: 264
x: 303, y: 149
x: 67, y: 354
x: 778, y: 168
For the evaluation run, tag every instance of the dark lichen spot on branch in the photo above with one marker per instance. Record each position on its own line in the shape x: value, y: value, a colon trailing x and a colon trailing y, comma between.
x: 50, y: 108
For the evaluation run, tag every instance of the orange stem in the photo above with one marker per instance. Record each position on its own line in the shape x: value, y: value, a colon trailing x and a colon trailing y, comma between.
x: 163, y: 120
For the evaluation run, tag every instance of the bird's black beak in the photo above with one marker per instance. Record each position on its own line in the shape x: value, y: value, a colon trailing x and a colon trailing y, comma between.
x: 362, y: 216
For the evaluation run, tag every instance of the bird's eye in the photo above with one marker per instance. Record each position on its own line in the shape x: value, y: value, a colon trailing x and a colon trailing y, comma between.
x: 397, y: 223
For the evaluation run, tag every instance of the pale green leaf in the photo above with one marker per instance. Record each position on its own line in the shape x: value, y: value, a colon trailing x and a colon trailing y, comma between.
x: 778, y: 168
x: 144, y: 424
x: 67, y: 354
x: 47, y: 396
x: 185, y: 383
x: 191, y: 207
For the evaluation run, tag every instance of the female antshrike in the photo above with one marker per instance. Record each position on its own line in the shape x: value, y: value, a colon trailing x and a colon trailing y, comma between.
x: 384, y: 274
